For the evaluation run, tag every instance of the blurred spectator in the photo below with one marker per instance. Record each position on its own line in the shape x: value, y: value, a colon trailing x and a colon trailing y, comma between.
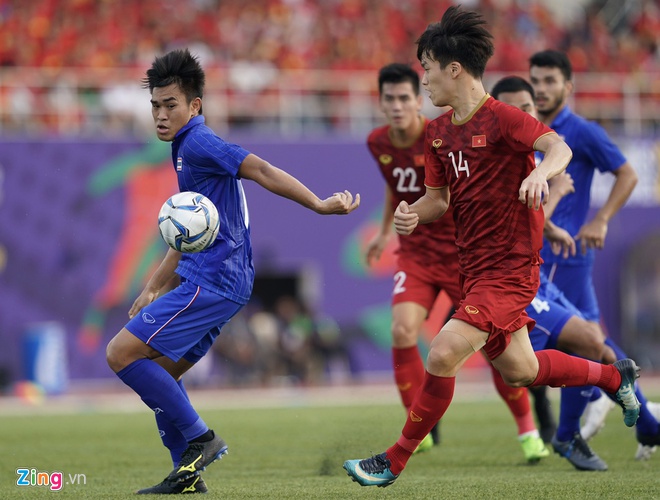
x: 250, y: 43
x: 295, y: 338
x: 287, y: 346
x: 345, y: 34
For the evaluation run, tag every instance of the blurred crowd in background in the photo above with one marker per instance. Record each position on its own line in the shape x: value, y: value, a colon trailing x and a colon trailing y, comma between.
x: 73, y: 67
x: 287, y: 344
x: 309, y: 34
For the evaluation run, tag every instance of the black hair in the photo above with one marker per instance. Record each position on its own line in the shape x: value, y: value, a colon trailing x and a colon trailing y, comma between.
x: 553, y: 59
x: 460, y: 36
x: 398, y: 73
x: 512, y: 84
x: 179, y: 67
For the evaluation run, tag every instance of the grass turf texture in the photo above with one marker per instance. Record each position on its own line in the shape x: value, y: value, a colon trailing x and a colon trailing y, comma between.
x: 297, y: 453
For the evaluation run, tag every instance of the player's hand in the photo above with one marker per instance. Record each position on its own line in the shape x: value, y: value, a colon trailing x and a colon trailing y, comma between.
x: 534, y: 190
x: 592, y: 235
x: 405, y: 221
x: 375, y: 248
x: 339, y: 203
x: 145, y: 298
x: 561, y: 241
x: 562, y: 184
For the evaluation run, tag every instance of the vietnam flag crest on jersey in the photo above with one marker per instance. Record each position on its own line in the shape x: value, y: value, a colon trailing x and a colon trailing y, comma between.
x: 478, y: 141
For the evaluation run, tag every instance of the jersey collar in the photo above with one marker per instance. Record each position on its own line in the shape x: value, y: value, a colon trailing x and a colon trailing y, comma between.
x: 195, y: 120
x: 472, y: 113
x: 561, y: 117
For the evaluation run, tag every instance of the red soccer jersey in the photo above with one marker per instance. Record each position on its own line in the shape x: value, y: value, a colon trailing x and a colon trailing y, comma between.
x: 483, y: 160
x: 403, y: 170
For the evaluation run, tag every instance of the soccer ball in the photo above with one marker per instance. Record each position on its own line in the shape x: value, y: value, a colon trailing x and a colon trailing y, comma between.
x: 188, y: 222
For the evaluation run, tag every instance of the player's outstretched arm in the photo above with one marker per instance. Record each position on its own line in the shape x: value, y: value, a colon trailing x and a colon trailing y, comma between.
x: 283, y: 184
x: 158, y: 282
x: 534, y: 189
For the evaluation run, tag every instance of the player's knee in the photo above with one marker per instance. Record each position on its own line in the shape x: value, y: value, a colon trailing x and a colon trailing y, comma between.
x: 523, y: 380
x: 114, y: 356
x: 593, y: 343
x: 442, y: 359
x: 404, y: 335
x: 520, y: 377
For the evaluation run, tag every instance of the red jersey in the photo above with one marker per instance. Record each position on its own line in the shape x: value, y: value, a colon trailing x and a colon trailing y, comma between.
x: 403, y: 170
x: 483, y: 160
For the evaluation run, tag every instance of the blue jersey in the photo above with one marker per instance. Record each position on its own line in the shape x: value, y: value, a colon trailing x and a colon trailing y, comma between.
x: 592, y: 149
x: 208, y: 165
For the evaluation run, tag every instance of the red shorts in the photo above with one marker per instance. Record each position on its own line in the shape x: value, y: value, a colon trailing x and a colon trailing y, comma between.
x: 421, y: 284
x: 497, y: 305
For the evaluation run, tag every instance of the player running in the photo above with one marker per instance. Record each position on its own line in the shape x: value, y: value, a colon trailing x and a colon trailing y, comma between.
x: 427, y: 259
x: 482, y: 152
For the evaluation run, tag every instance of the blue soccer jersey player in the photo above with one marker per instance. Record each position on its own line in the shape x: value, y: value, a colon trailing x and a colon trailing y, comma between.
x: 169, y: 332
x: 559, y: 325
x: 550, y: 75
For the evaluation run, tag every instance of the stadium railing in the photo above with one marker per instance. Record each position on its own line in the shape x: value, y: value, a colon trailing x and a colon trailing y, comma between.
x: 110, y: 101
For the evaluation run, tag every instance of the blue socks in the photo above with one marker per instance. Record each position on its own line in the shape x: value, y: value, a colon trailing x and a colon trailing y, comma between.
x: 573, y: 402
x: 170, y: 435
x: 163, y: 395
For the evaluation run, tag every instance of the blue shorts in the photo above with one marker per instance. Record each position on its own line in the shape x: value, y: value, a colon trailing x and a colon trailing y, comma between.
x: 184, y: 322
x: 551, y: 310
x: 577, y: 284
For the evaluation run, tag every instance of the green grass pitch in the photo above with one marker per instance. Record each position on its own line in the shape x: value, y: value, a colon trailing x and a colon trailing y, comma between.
x: 297, y: 453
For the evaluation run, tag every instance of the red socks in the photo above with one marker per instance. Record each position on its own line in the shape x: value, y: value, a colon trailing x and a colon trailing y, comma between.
x: 558, y: 369
x: 408, y: 372
x: 428, y: 407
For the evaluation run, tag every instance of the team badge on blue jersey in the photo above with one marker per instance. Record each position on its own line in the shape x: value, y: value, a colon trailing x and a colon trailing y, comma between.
x: 179, y: 164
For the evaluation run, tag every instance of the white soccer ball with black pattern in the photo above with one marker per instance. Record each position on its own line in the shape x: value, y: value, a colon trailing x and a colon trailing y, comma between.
x: 189, y: 222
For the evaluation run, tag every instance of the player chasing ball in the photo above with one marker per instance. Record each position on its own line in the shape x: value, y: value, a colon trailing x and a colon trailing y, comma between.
x: 170, y: 330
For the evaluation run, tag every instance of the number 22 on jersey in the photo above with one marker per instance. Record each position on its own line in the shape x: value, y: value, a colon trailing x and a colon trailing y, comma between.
x: 406, y: 180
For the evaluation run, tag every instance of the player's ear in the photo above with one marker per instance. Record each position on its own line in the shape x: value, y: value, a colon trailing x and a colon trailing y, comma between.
x: 196, y: 106
x: 455, y: 69
x: 570, y: 86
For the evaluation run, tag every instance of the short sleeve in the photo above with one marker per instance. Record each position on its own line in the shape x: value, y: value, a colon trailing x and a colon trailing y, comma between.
x: 604, y: 154
x: 434, y: 173
x: 520, y: 129
x: 211, y: 154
